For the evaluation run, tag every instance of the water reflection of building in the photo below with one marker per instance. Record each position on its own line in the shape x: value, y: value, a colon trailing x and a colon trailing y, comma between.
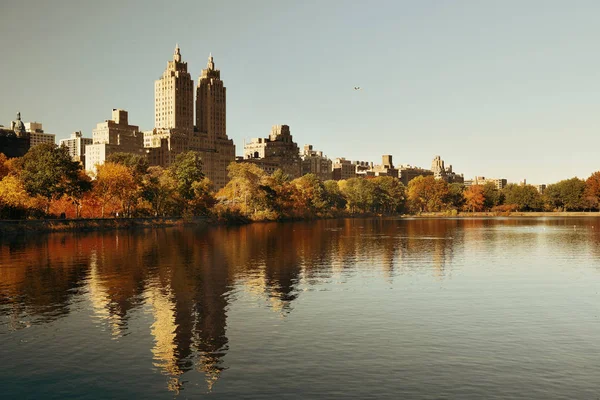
x: 184, y: 279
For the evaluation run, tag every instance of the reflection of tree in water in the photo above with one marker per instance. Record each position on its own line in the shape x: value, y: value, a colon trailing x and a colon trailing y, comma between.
x: 38, y: 286
x: 433, y: 239
x: 185, y: 278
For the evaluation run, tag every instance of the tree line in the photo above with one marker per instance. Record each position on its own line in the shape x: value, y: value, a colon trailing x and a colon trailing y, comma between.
x: 46, y: 183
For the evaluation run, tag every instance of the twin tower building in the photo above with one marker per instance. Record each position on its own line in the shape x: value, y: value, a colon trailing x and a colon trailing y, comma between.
x: 175, y: 128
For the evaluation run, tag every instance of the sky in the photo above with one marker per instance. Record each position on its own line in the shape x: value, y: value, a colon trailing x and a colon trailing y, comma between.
x: 501, y: 89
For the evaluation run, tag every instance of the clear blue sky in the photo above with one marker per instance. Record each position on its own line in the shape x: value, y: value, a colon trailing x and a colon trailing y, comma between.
x: 497, y: 88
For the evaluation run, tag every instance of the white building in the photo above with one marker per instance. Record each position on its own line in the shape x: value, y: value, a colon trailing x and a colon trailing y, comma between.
x: 76, y: 145
x: 113, y: 136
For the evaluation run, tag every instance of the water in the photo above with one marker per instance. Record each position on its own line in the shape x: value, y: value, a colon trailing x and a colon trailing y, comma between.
x: 339, y: 309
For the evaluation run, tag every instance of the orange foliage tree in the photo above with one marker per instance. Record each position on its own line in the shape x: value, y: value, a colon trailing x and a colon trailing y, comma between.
x: 591, y: 193
x: 474, y: 198
x: 425, y: 193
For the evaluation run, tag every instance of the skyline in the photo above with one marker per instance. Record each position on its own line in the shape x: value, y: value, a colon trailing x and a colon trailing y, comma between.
x: 437, y: 78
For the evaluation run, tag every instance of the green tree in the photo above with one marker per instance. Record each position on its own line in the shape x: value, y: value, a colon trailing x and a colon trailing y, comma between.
x: 48, y: 171
x: 566, y: 195
x: 456, y: 199
x: 308, y: 196
x: 159, y: 188
x: 523, y: 197
x: 333, y: 194
x: 492, y: 196
x: 359, y: 194
x: 186, y: 170
x: 390, y: 194
x: 137, y: 163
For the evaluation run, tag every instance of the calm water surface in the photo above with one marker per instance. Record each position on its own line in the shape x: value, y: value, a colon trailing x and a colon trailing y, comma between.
x: 339, y: 309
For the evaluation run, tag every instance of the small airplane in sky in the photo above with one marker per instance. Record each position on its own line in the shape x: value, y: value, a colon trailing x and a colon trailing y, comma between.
x: 357, y: 88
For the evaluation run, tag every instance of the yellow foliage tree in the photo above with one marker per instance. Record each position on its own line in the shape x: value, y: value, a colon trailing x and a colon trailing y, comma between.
x: 114, y: 182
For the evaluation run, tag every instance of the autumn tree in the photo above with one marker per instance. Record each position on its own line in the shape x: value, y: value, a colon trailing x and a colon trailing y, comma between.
x: 245, y: 188
x: 308, y: 195
x: 137, y: 163
x: 48, y: 171
x: 203, y: 199
x: 3, y: 166
x: 14, y: 199
x: 425, y: 193
x: 114, y: 183
x: 158, y: 189
x: 474, y: 198
x: 591, y: 193
x: 277, y: 192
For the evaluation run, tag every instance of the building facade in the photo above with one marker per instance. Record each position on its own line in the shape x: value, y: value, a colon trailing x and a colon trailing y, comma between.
x: 386, y: 168
x: 174, y: 97
x: 174, y: 131
x: 314, y: 162
x: 343, y: 169
x: 14, y: 142
x: 278, y: 149
x: 76, y: 145
x: 482, y: 180
x: 113, y: 136
x: 218, y: 151
x: 407, y: 173
x: 442, y: 172
x: 37, y: 134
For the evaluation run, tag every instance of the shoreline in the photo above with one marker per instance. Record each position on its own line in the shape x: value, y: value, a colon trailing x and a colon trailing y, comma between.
x: 9, y: 227
x: 512, y: 214
x: 95, y: 224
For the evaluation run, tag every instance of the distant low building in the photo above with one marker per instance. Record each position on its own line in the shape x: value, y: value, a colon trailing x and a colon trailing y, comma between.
x: 343, y: 169
x: 386, y: 168
x: 76, y: 145
x: 408, y: 172
x: 481, y: 180
x: 445, y: 173
x: 14, y: 142
x: 314, y: 162
x: 113, y: 136
x: 541, y: 188
x: 37, y: 134
x: 278, y: 149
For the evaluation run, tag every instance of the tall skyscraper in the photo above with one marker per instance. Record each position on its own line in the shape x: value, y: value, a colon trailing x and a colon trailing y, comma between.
x: 218, y: 150
x: 174, y: 97
x: 174, y: 130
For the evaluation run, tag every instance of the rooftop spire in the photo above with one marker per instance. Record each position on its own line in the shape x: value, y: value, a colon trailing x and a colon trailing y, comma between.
x: 177, y: 54
x: 211, y: 64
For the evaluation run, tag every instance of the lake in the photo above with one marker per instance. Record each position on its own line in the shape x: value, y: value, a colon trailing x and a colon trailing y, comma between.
x: 333, y: 309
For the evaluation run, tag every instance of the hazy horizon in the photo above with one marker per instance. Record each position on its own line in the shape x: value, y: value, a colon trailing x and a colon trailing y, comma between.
x: 506, y: 90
